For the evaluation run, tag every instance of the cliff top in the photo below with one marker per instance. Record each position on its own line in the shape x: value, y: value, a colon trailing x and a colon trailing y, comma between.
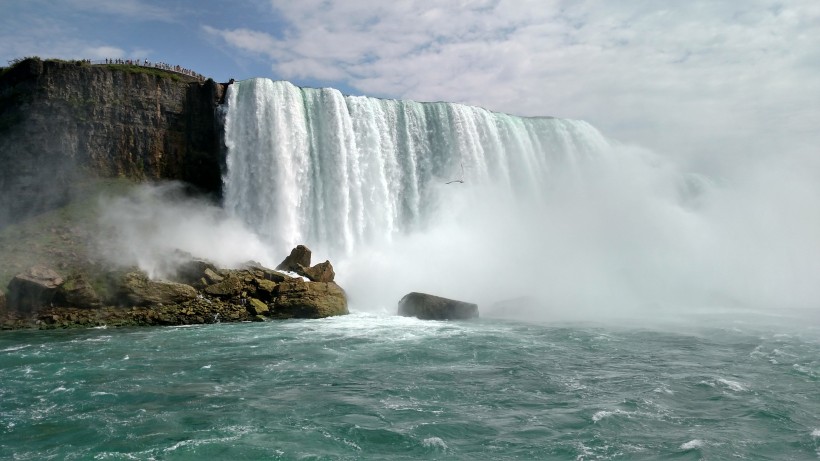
x: 158, y: 69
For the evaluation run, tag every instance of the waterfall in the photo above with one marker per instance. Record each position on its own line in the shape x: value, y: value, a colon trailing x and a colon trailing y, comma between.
x: 541, y: 207
x: 314, y: 166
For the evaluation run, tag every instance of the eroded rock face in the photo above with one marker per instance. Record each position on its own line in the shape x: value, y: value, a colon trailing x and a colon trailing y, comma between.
x: 297, y: 261
x: 309, y: 300
x: 104, y: 120
x: 33, y: 289
x: 138, y: 290
x: 430, y: 307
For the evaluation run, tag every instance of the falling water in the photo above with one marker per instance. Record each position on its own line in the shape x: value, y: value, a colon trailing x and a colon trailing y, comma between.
x: 315, y: 166
x: 406, y: 196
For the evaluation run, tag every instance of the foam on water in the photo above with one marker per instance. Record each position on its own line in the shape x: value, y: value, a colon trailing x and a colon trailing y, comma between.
x: 733, y: 385
x: 387, y: 387
x: 692, y: 445
x: 434, y: 442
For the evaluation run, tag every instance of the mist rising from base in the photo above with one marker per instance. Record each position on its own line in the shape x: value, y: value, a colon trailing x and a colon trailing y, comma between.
x: 485, y: 207
x: 158, y: 226
x: 630, y: 237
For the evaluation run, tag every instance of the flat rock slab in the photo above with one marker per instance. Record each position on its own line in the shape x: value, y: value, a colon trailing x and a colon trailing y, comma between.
x: 430, y: 307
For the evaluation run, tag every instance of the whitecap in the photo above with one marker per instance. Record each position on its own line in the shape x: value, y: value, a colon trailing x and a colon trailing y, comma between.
x: 15, y: 348
x: 206, y: 367
x: 802, y: 369
x: 434, y: 442
x: 663, y: 390
x: 733, y: 385
x: 815, y: 433
x: 606, y: 413
x: 693, y: 444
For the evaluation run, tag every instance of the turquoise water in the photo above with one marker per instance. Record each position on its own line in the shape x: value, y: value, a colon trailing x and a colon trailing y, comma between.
x: 370, y: 386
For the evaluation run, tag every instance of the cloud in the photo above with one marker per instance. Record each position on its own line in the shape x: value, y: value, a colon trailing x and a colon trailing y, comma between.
x: 699, y: 79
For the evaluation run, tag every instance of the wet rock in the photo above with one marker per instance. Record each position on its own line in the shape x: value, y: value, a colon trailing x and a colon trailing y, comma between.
x: 322, y: 272
x: 258, y: 272
x: 138, y: 290
x: 297, y: 261
x: 265, y: 289
x: 77, y: 291
x: 192, y: 270
x: 430, y: 307
x: 229, y: 287
x: 212, y: 277
x: 257, y: 307
x: 309, y: 300
x: 33, y: 289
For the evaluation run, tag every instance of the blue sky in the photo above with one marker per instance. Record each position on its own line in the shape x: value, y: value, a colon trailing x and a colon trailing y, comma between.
x: 709, y: 82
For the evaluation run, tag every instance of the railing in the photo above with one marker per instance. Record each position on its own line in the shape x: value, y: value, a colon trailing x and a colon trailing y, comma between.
x: 153, y: 65
x: 129, y: 62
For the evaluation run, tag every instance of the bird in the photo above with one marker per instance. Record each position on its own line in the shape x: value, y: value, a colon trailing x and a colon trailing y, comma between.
x: 460, y: 181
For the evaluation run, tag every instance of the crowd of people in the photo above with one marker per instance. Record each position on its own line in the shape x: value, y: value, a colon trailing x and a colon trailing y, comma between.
x: 156, y: 65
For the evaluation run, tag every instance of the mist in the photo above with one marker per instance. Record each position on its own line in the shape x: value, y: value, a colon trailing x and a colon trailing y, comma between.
x: 627, y: 236
x: 158, y: 226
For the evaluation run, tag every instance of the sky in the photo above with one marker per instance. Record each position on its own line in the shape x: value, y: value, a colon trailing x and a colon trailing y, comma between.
x: 710, y: 83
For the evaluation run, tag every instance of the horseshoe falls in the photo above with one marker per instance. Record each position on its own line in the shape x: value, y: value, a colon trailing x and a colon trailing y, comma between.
x: 338, y: 172
x: 404, y: 196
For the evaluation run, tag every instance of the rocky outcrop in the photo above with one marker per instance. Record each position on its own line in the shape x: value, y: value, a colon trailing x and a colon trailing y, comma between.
x: 61, y: 122
x: 212, y: 294
x: 2, y: 302
x: 77, y: 291
x: 296, y: 261
x: 322, y: 272
x: 429, y: 307
x: 310, y: 300
x: 33, y: 289
x: 139, y: 290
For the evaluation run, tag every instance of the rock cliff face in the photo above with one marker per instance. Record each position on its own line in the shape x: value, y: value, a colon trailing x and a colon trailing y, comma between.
x: 61, y: 122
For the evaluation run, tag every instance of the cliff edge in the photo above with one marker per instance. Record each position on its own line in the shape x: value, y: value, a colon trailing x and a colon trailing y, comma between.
x: 64, y: 122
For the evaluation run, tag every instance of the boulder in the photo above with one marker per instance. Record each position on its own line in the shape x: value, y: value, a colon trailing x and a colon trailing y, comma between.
x: 309, y: 300
x: 77, y: 291
x: 257, y: 307
x: 297, y: 261
x: 265, y: 289
x: 322, y: 272
x: 429, y: 307
x: 229, y: 287
x: 138, y: 290
x: 192, y: 270
x: 33, y: 289
x: 211, y: 276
